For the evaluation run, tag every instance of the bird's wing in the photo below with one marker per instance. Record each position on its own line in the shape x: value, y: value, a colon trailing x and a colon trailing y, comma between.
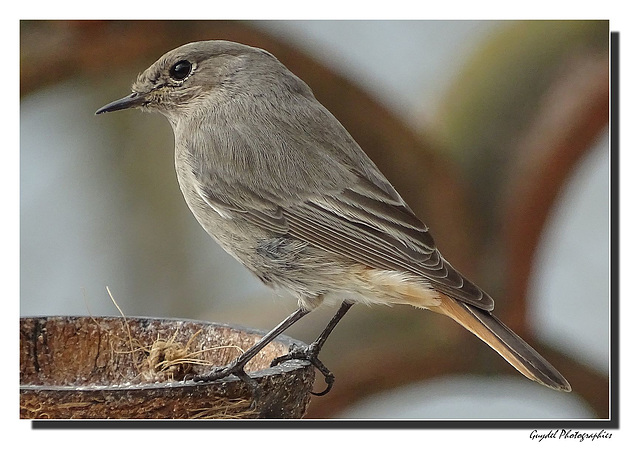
x: 365, y: 223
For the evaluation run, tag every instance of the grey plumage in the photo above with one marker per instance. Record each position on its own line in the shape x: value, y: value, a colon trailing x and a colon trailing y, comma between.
x: 279, y: 183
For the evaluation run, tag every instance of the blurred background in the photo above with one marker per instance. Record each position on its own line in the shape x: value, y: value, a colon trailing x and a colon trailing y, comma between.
x: 495, y: 132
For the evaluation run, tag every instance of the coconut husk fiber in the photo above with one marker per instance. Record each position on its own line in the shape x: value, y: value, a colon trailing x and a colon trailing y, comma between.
x: 140, y: 368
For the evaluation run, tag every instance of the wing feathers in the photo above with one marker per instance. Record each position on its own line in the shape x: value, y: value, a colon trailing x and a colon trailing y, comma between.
x: 370, y: 246
x: 364, y: 224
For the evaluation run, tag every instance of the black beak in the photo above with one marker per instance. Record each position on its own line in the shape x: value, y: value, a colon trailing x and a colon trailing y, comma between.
x: 130, y: 101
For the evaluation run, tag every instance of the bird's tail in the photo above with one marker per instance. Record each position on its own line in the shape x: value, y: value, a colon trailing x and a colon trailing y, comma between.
x: 508, y: 344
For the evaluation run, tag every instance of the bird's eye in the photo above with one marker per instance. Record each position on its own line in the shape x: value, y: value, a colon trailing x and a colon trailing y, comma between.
x: 180, y: 70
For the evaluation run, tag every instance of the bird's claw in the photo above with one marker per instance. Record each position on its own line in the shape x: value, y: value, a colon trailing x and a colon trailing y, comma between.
x: 236, y: 369
x: 308, y: 353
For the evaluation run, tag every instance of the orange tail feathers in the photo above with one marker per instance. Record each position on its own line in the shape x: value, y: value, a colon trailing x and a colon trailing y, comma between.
x: 504, y: 341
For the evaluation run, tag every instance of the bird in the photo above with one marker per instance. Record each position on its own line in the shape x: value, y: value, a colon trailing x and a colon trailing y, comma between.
x: 279, y: 183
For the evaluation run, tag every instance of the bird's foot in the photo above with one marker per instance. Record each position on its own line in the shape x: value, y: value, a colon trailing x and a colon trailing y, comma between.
x: 308, y: 353
x: 234, y: 368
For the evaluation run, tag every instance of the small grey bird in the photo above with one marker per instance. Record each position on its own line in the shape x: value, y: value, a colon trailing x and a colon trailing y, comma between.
x: 280, y: 184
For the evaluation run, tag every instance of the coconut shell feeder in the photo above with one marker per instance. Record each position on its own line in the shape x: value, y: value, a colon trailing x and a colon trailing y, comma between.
x: 140, y: 368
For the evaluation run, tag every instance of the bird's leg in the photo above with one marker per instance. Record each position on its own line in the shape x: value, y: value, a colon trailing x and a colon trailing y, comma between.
x: 310, y: 352
x: 236, y: 367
